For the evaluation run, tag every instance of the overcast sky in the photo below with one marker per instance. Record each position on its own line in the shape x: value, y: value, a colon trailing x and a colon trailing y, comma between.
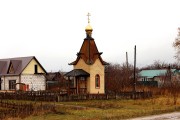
x: 54, y: 30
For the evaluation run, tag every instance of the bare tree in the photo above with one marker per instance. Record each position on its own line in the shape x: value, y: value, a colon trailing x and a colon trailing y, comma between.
x: 118, y: 77
x: 171, y: 83
x: 176, y: 45
x: 156, y: 65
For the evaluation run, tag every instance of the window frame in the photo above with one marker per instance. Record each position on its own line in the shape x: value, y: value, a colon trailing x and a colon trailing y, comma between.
x: 12, y: 85
x: 35, y: 69
x: 97, y: 81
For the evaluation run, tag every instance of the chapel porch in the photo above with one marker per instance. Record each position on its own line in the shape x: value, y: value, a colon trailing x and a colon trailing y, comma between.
x: 77, y: 81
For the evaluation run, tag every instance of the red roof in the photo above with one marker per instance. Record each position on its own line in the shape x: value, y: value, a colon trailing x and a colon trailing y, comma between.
x: 89, y: 52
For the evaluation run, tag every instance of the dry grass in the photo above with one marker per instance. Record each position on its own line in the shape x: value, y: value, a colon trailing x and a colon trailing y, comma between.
x: 109, y: 109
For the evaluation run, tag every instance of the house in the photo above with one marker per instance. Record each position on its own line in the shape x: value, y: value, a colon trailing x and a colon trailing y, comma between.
x: 22, y: 73
x: 158, y: 76
x: 88, y: 74
x: 55, y: 81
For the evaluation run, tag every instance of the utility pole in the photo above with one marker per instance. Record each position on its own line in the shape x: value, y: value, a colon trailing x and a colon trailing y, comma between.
x: 127, y: 60
x: 127, y: 68
x: 134, y: 86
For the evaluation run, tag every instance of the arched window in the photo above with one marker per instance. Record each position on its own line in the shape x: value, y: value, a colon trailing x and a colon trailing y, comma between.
x: 97, y: 81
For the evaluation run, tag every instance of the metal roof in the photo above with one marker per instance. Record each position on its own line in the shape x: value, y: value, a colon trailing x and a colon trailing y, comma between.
x: 19, y: 64
x: 153, y: 73
x: 76, y: 73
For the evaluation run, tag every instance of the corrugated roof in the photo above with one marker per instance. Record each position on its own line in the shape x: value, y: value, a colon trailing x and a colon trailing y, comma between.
x: 153, y: 73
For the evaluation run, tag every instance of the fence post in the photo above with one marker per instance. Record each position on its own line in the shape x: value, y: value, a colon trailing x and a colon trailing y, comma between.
x: 58, y: 98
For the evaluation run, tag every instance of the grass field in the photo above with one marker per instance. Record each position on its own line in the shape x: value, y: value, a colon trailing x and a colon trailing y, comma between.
x: 108, y: 109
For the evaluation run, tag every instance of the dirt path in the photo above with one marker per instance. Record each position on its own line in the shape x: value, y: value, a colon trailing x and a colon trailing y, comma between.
x: 167, y: 116
x: 76, y: 107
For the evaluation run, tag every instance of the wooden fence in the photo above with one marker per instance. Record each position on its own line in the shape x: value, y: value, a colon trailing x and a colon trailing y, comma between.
x: 56, y: 96
x: 21, y: 110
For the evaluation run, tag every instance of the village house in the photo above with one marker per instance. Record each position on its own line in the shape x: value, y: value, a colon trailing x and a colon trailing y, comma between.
x: 23, y: 73
x: 55, y: 81
x: 88, y: 75
x: 158, y: 76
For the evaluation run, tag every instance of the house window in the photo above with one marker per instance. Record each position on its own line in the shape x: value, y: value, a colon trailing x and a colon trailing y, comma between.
x: 11, y: 69
x: 97, y: 81
x: 12, y: 85
x: 35, y: 69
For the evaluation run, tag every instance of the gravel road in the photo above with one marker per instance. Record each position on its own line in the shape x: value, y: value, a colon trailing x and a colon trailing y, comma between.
x: 167, y: 116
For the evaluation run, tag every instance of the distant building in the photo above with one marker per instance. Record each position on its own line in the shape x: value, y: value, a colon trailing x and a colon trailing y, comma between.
x: 23, y: 73
x: 159, y: 76
x: 88, y: 73
x: 55, y: 81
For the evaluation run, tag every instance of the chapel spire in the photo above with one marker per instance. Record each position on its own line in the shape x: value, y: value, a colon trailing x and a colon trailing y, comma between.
x: 89, y: 52
x: 88, y: 28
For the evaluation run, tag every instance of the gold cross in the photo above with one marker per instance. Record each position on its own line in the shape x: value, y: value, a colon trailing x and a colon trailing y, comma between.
x: 88, y: 17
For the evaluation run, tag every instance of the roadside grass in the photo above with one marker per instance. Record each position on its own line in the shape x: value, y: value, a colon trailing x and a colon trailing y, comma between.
x: 109, y: 109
